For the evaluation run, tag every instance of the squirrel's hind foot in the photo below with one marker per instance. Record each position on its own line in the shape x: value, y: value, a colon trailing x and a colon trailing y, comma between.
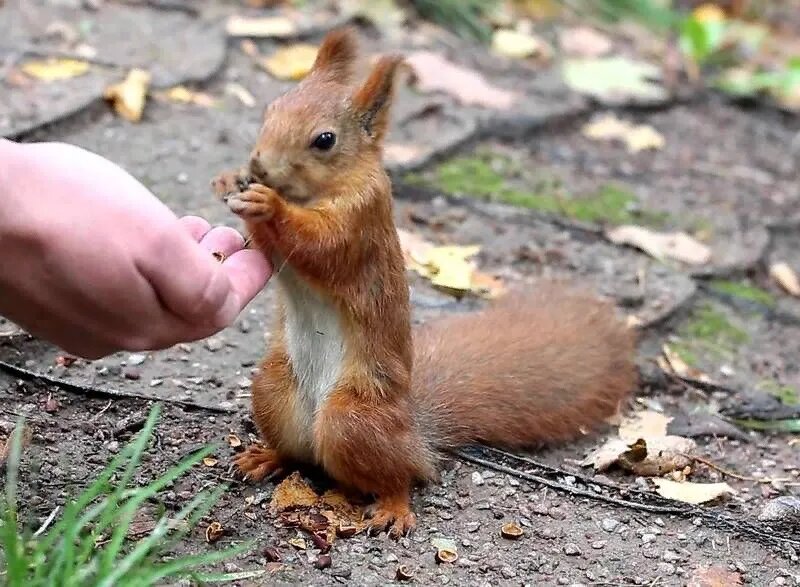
x: 258, y: 462
x: 392, y: 514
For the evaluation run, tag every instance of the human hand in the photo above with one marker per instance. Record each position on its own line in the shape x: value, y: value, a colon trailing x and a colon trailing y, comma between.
x: 94, y: 263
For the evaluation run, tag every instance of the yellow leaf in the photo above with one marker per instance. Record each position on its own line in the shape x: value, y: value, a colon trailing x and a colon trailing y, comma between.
x: 278, y: 27
x: 708, y: 13
x: 128, y: 97
x: 518, y: 45
x: 693, y: 493
x: 187, y: 96
x: 450, y: 267
x: 786, y: 277
x: 292, y: 62
x: 55, y: 69
x: 636, y: 137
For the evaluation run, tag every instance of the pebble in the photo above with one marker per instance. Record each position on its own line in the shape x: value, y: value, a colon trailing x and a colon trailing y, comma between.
x: 156, y: 382
x: 113, y: 446
x: 214, y: 344
x: 670, y: 556
x: 477, y: 478
x: 131, y: 373
x: 598, y: 544
x: 115, y: 369
x: 183, y: 177
x: 391, y: 558
x: 136, y: 359
x: 666, y: 568
x: 648, y: 538
x: 609, y: 524
x: 508, y: 572
x: 784, y: 509
x: 571, y: 549
x: 473, y: 526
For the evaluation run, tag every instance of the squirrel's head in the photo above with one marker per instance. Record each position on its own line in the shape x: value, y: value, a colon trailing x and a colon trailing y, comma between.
x: 326, y: 129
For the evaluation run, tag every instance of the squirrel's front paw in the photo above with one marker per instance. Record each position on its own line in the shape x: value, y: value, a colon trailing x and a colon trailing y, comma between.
x: 258, y: 203
x: 227, y: 184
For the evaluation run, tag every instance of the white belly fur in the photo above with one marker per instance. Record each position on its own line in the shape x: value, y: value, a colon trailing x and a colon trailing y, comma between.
x: 314, y: 342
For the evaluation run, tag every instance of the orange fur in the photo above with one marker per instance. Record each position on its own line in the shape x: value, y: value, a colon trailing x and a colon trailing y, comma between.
x: 337, y: 387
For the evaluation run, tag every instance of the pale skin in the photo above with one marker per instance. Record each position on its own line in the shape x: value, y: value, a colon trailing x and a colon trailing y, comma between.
x: 94, y: 263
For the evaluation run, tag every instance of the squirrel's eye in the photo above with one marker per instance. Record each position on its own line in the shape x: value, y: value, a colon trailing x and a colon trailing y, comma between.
x: 325, y: 141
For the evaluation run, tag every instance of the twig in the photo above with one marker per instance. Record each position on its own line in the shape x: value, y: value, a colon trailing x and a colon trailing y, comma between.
x: 656, y: 509
x: 725, y: 472
x: 47, y: 522
x: 57, y: 54
x: 105, y: 393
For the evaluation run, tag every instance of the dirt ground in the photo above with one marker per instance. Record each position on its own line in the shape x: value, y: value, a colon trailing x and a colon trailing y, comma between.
x: 726, y: 173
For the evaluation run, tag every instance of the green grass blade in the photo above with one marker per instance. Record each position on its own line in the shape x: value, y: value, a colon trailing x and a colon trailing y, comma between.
x: 14, y: 549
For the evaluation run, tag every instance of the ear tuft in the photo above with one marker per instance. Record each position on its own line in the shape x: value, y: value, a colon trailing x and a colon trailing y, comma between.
x: 337, y: 54
x: 373, y: 100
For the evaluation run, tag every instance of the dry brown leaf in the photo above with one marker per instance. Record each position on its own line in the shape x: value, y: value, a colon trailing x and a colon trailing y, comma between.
x: 275, y: 27
x: 128, y: 97
x: 292, y: 62
x: 688, y: 492
x: 584, y: 42
x: 675, y: 245
x: 55, y: 69
x: 645, y: 424
x: 786, y: 277
x: 647, y: 456
x: 241, y: 93
x: 714, y: 577
x: 5, y: 447
x: 292, y: 493
x: 434, y: 73
x: 519, y: 45
x: 214, y: 531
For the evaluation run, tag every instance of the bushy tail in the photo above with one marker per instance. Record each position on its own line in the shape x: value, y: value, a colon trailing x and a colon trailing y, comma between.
x: 532, y: 368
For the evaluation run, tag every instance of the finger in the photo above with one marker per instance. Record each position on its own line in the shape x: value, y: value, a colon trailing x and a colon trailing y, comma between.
x: 196, y: 226
x: 222, y: 239
x: 248, y: 272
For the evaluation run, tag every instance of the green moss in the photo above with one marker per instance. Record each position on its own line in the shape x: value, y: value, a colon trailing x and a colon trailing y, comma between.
x: 787, y: 394
x: 488, y: 175
x: 743, y: 291
x: 710, y: 325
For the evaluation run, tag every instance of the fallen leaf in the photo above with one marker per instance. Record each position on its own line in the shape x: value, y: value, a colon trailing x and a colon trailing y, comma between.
x: 675, y: 245
x: 241, y: 93
x: 292, y: 62
x: 584, y: 42
x: 55, y: 69
x: 415, y: 248
x: 786, y: 277
x: 292, y: 493
x: 519, y: 45
x: 645, y: 424
x: 614, y: 80
x: 450, y: 268
x: 637, y: 137
x: 672, y: 363
x: 648, y: 457
x: 487, y: 285
x: 275, y: 27
x: 128, y: 97
x: 714, y: 577
x: 186, y: 96
x: 434, y: 73
x: 694, y: 493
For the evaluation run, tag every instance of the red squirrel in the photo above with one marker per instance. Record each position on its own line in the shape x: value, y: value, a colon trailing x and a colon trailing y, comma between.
x: 345, y: 384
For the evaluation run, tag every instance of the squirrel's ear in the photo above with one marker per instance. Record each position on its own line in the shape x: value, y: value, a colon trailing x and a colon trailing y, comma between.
x: 337, y: 54
x: 373, y: 99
